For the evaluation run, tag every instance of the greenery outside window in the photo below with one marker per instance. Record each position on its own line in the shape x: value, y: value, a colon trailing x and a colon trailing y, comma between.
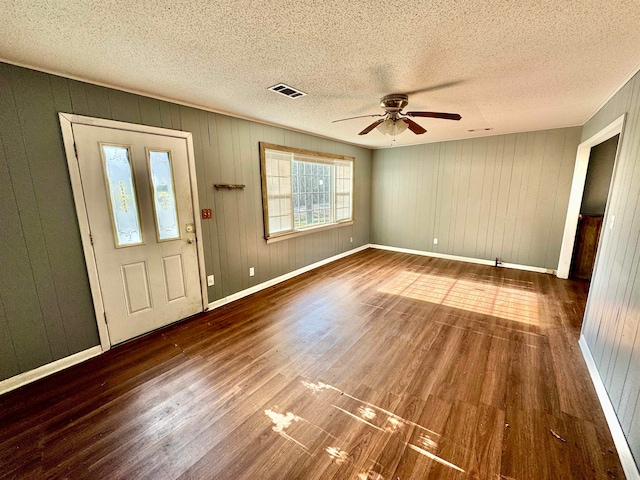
x: 304, y: 191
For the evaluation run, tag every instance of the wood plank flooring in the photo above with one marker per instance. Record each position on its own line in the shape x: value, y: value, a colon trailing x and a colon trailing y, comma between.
x: 380, y: 366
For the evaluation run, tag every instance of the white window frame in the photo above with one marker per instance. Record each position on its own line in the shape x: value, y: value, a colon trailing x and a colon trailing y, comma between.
x: 310, y: 156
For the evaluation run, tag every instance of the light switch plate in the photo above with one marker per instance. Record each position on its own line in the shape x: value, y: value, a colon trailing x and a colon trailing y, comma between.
x: 210, y: 280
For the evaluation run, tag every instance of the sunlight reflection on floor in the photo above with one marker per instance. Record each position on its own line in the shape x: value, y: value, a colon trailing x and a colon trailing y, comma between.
x: 510, y: 303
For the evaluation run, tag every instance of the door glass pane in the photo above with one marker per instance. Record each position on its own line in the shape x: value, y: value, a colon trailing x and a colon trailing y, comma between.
x: 122, y: 195
x: 164, y: 197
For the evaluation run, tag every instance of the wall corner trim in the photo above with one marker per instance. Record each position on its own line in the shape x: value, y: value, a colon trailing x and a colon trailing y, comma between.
x: 479, y: 261
x: 624, y: 452
x: 269, y: 283
x: 45, y: 370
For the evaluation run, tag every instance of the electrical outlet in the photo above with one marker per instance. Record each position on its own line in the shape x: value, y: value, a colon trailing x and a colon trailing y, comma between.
x: 210, y: 280
x: 350, y: 239
x: 206, y: 213
x: 252, y: 271
x: 435, y: 241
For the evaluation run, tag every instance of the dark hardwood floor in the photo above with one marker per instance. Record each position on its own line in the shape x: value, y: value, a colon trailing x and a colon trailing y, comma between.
x: 378, y: 366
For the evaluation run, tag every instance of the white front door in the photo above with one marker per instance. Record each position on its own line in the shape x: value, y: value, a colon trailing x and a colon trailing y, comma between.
x: 139, y: 204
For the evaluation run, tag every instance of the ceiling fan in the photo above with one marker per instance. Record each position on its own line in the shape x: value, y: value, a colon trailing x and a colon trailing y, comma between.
x: 394, y: 121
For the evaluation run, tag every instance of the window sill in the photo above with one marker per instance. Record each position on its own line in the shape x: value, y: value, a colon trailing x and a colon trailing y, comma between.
x: 299, y: 233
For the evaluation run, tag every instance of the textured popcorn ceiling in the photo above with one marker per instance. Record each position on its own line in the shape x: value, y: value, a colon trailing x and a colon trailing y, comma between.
x: 513, y: 65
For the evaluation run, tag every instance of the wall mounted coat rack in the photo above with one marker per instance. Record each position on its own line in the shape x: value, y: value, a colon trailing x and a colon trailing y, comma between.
x: 228, y: 186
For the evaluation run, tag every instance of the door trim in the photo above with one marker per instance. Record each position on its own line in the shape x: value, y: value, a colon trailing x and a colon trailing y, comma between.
x: 577, y: 190
x: 66, y: 122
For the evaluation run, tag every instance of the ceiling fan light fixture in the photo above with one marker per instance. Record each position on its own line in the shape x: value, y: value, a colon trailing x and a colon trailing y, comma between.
x: 392, y: 127
x: 394, y: 122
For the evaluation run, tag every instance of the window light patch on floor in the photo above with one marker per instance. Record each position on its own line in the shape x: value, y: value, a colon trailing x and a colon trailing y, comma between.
x: 507, y: 302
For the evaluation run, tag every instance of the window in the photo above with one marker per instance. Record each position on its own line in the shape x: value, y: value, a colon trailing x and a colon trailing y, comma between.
x: 164, y: 195
x: 304, y: 191
x: 120, y: 182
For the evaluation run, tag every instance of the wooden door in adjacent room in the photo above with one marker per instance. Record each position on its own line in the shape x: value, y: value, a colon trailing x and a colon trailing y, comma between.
x: 587, y: 240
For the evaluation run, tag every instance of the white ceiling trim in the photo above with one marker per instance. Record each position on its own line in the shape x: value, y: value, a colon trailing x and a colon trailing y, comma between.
x: 270, y: 124
x: 613, y: 94
x: 177, y: 102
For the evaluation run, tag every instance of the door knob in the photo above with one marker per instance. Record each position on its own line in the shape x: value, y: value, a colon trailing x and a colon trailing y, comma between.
x: 191, y: 240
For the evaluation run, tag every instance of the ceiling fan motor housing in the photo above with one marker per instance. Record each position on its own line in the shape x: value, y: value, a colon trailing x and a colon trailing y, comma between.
x: 394, y: 103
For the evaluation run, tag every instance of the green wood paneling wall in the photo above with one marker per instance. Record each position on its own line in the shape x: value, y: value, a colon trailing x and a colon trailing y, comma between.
x: 47, y: 309
x: 503, y: 196
x: 612, y: 320
x: 46, y: 312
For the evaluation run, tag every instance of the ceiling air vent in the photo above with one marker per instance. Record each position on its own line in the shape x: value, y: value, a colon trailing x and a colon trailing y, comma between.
x: 287, y: 91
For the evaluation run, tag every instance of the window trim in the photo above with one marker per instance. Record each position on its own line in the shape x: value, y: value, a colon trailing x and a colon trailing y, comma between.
x: 318, y: 157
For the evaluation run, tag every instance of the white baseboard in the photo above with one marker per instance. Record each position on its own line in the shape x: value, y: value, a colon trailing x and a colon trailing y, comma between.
x: 45, y: 370
x: 624, y: 452
x: 458, y: 258
x: 18, y: 381
x: 281, y: 278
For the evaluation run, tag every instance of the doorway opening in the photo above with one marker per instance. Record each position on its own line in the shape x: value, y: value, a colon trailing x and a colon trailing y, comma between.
x: 594, y: 203
x: 583, y: 156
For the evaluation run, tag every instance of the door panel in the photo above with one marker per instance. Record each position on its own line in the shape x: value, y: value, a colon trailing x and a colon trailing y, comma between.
x: 173, y: 277
x: 136, y: 287
x: 139, y: 204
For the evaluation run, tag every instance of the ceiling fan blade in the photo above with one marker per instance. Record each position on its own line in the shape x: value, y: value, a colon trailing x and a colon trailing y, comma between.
x: 361, y: 116
x: 371, y: 127
x: 414, y: 127
x: 446, y: 116
x: 433, y: 88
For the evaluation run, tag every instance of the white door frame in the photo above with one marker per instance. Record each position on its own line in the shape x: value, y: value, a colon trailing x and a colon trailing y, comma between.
x: 66, y: 121
x: 577, y: 189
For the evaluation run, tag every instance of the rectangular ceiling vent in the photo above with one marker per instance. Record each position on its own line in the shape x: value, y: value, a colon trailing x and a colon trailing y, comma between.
x: 287, y: 91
